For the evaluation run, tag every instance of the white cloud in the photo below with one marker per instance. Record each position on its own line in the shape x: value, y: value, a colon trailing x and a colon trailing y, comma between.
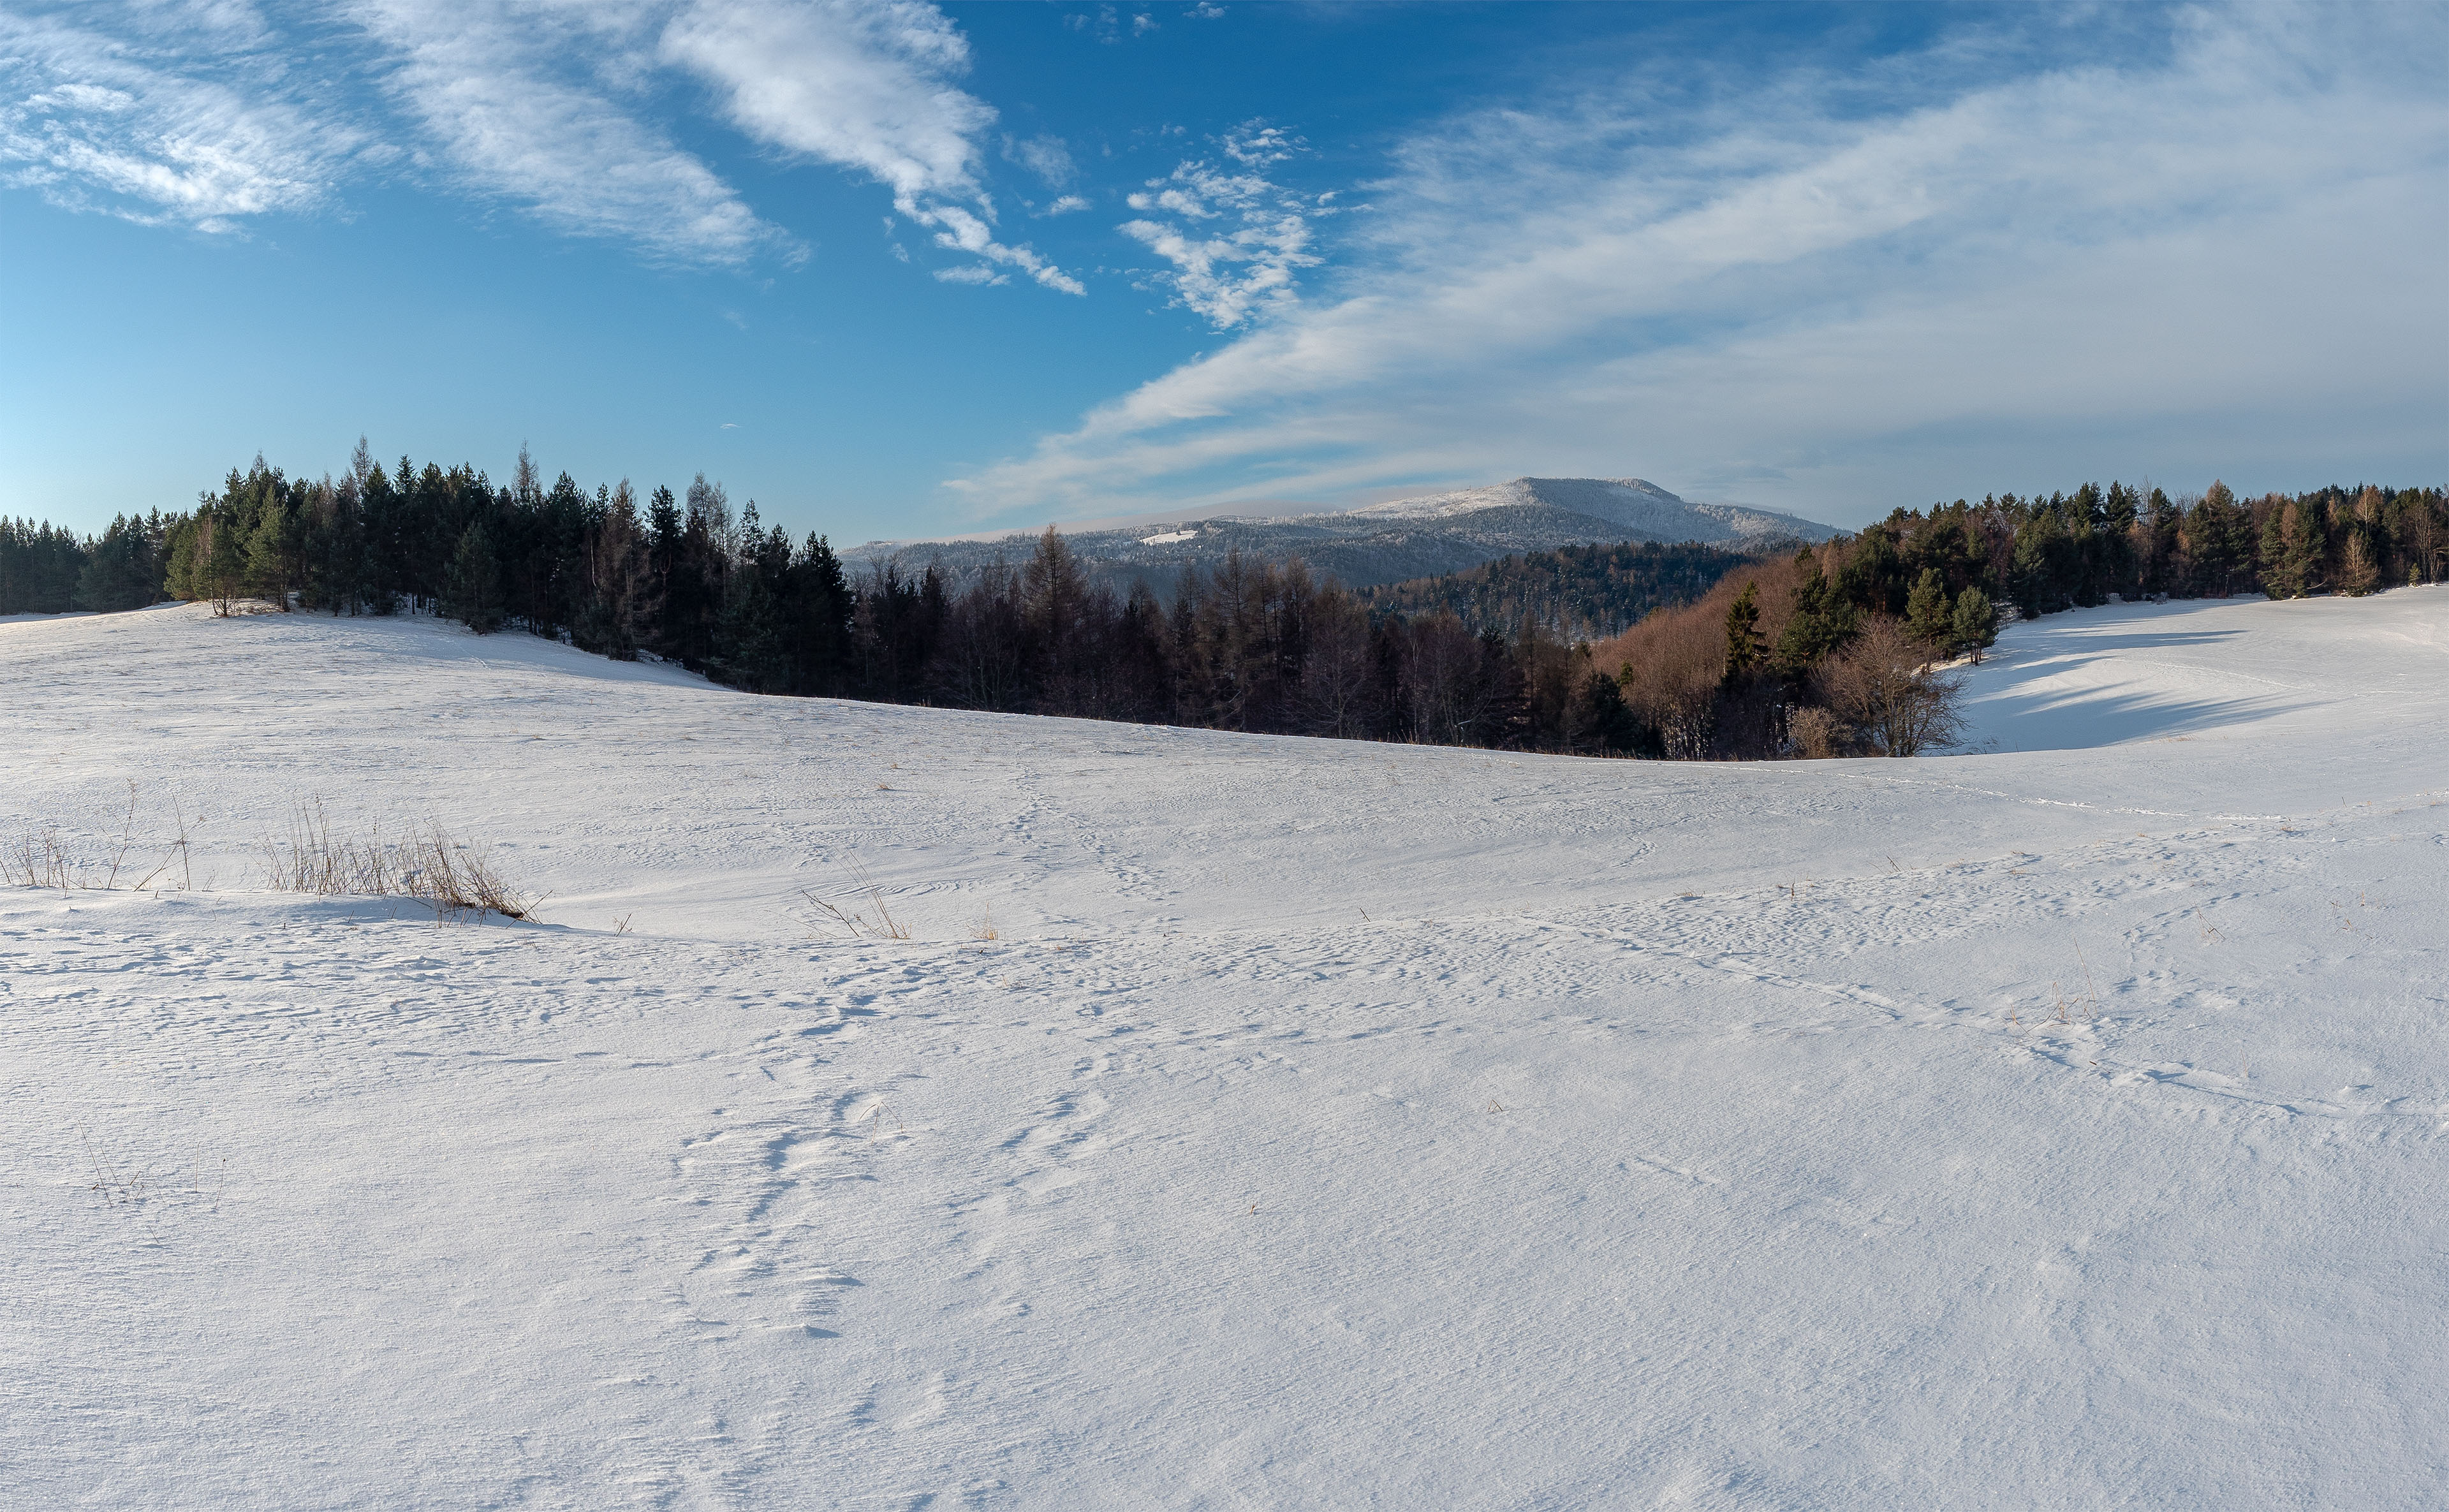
x: 1048, y: 158
x: 490, y: 81
x: 165, y: 119
x: 2232, y: 253
x: 862, y: 84
x: 1259, y: 145
x: 972, y: 274
x: 201, y: 112
x: 1234, y: 240
x: 959, y: 230
x: 867, y: 84
x: 1065, y: 205
x: 1107, y: 25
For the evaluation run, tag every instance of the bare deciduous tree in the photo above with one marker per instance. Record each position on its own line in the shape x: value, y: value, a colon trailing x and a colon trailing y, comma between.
x: 1884, y: 685
x: 1335, y: 681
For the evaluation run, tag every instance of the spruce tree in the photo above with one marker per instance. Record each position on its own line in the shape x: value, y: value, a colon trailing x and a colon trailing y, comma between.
x: 1743, y: 643
x: 822, y: 613
x: 119, y: 571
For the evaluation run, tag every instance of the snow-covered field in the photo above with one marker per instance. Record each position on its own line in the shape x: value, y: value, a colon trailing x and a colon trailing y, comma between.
x: 1330, y: 1125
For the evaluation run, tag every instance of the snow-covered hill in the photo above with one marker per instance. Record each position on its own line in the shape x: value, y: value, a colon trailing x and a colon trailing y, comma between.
x: 1321, y: 1125
x: 1385, y: 543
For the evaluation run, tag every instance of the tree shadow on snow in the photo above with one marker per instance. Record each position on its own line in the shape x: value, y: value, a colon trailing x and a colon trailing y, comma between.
x: 422, y: 637
x: 2043, y: 693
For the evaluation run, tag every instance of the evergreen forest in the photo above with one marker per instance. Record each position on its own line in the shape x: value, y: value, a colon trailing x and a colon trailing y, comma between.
x: 1712, y: 654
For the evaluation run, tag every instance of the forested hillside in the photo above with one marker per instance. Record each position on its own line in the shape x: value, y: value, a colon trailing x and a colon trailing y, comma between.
x: 1830, y: 651
x: 1575, y: 593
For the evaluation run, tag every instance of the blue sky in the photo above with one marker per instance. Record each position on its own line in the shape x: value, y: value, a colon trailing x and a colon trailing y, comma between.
x: 895, y: 269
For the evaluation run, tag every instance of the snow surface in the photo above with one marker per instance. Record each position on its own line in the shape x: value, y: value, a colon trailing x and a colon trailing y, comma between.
x: 1330, y: 1125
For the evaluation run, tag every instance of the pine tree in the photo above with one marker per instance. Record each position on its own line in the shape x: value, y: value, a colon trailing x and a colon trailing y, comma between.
x: 180, y: 565
x: 2308, y: 545
x: 615, y: 613
x: 1926, y: 611
x: 2161, y: 546
x: 2040, y: 580
x: 1597, y: 718
x: 2217, y: 541
x: 748, y: 647
x: 2121, y: 560
x: 223, y: 561
x: 335, y: 548
x: 1974, y: 628
x: 1821, y: 622
x: 2290, y: 558
x: 472, y: 594
x: 269, y: 550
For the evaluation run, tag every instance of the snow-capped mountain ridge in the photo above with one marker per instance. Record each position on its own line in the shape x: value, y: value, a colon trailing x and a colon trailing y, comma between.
x: 1636, y: 503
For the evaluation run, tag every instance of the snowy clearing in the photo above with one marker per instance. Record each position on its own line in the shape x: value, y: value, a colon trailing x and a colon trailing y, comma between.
x: 1325, y: 1124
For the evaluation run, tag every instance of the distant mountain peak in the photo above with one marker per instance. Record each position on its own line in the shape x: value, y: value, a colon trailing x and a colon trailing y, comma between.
x: 1648, y: 512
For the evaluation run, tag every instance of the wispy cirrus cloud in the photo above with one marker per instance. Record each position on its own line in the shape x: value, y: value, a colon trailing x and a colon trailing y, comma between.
x: 163, y: 114
x: 1782, y: 294
x: 864, y: 84
x: 507, y: 116
x: 201, y: 112
x: 1048, y: 157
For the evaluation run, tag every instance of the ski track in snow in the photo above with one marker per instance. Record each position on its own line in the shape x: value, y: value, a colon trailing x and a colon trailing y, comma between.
x: 1331, y: 1125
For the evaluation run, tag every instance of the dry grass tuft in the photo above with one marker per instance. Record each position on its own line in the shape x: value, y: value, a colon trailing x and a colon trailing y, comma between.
x: 45, y: 857
x: 2068, y: 1010
x: 39, y: 858
x: 451, y: 878
x: 116, y: 1185
x: 883, y: 926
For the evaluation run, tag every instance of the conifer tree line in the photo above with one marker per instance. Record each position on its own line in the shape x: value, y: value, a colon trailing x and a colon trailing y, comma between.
x: 1251, y: 645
